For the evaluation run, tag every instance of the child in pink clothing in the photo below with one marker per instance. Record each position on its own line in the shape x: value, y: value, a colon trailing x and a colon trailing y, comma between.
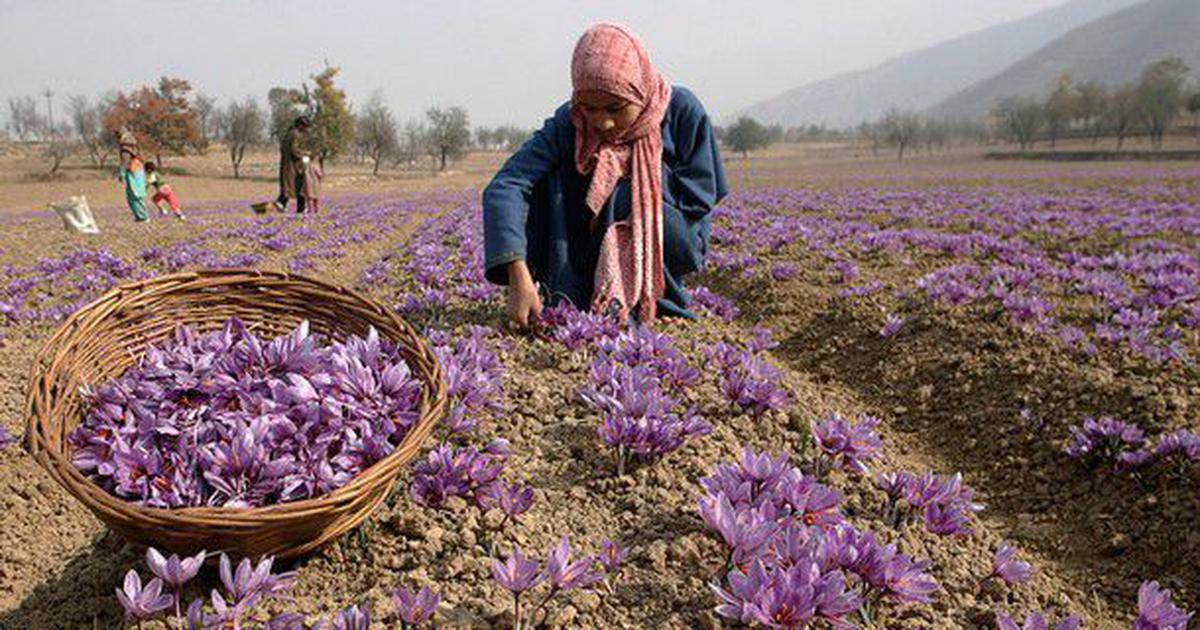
x: 162, y: 192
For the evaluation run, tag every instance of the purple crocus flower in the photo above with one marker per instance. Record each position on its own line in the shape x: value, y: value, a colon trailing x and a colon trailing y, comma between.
x: 850, y: 443
x: 906, y: 580
x: 452, y: 471
x: 578, y: 329
x: 612, y: 555
x: 1035, y: 621
x: 1006, y: 566
x: 1157, y: 611
x: 744, y: 586
x: 762, y: 340
x: 892, y: 324
x: 720, y: 306
x: 562, y: 574
x: 252, y: 582
x: 142, y: 602
x: 1130, y: 461
x: 1103, y: 439
x: 795, y: 597
x: 744, y: 533
x: 894, y: 484
x: 415, y: 608
x: 173, y: 571
x: 511, y: 499
x: 352, y: 618
x: 1181, y: 444
x: 760, y: 468
x: 949, y: 519
x: 518, y: 573
x: 6, y: 438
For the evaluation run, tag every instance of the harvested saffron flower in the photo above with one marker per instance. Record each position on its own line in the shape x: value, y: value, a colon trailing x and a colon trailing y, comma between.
x: 230, y: 419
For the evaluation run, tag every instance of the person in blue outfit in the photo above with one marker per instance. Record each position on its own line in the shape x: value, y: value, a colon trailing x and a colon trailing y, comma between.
x: 608, y: 204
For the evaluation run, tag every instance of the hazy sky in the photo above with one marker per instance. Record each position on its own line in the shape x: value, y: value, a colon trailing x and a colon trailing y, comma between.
x: 505, y: 60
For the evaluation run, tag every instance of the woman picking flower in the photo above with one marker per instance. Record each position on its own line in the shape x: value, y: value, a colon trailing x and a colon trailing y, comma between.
x: 607, y: 205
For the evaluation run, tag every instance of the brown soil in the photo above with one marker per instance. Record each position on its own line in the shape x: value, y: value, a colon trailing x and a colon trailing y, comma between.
x: 949, y: 388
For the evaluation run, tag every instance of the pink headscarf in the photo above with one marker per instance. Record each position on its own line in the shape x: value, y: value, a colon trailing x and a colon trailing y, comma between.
x: 609, y: 58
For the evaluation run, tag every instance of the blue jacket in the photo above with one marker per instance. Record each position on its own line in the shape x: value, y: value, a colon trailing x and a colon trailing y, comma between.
x: 534, y: 209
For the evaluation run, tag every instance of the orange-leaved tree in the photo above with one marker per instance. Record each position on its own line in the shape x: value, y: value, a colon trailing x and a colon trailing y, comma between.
x: 161, y: 118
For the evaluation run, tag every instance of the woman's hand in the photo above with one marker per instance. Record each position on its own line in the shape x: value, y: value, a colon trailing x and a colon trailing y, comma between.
x: 524, y: 304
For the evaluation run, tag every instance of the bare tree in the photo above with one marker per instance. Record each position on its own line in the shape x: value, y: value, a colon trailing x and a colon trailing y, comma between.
x: 377, y: 131
x: 87, y: 120
x: 243, y: 125
x: 24, y: 120
x: 901, y: 129
x: 874, y: 132
x: 1062, y: 107
x: 1193, y: 107
x: 1020, y: 120
x: 411, y: 144
x: 935, y: 134
x: 1160, y: 96
x: 1093, y: 101
x: 1121, y: 115
x: 449, y: 134
x: 59, y: 146
x: 207, y: 118
x: 510, y: 137
x: 483, y: 138
x: 58, y: 149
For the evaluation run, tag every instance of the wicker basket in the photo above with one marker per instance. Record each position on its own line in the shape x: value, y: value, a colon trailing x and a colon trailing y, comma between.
x: 104, y: 339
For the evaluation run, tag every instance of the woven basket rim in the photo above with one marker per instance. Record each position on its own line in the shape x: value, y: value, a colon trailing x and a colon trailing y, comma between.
x: 58, y: 461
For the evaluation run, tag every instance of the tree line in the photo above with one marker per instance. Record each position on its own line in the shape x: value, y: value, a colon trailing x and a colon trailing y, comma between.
x: 170, y: 119
x: 1150, y: 106
x: 901, y: 130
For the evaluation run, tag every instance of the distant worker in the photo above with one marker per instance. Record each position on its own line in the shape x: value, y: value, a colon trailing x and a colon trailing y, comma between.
x: 133, y: 176
x: 294, y: 160
x: 607, y: 206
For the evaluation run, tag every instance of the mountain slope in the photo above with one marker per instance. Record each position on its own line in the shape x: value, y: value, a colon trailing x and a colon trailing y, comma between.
x: 1112, y: 50
x: 923, y: 78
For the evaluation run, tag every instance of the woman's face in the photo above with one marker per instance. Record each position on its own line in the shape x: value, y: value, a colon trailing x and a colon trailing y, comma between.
x: 607, y: 114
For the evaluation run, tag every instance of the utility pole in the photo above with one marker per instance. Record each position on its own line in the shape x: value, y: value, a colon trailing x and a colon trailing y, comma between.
x: 49, y: 109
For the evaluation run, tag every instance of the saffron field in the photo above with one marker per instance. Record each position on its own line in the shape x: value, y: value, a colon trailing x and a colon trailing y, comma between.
x: 914, y: 399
